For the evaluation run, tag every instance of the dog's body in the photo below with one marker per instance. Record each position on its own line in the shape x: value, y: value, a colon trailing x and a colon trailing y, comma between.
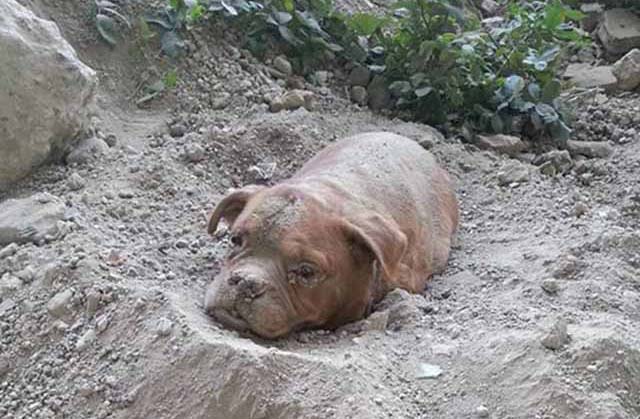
x: 368, y: 214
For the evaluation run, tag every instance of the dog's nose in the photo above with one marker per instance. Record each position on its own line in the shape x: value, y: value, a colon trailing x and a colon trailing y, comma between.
x: 248, y: 286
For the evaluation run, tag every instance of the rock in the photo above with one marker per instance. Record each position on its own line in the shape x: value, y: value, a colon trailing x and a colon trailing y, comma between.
x: 619, y: 31
x: 177, y: 130
x: 506, y: 144
x: 489, y: 8
x: 9, y: 284
x: 30, y: 219
x: 560, y: 159
x: 292, y: 100
x: 587, y: 76
x: 513, y: 172
x: 6, y: 305
x: 592, y: 15
x: 93, y: 302
x: 359, y: 76
x: 321, y: 77
x: 8, y: 250
x: 111, y: 140
x: 87, y: 149
x: 164, y: 326
x: 482, y: 412
x: 547, y: 168
x: 593, y: 149
x: 557, y: 336
x: 359, y: 95
x: 58, y: 305
x: 627, y: 70
x: 377, y: 321
x: 194, y: 153
x: 379, y: 96
x: 566, y: 266
x: 283, y: 65
x: 550, y: 286
x: 46, y: 93
x: 428, y: 371
x: 86, y: 340
x: 76, y: 182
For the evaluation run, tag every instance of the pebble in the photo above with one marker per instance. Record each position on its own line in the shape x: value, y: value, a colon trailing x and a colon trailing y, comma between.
x: 550, y: 286
x: 194, y: 153
x: 482, y: 412
x: 76, y: 182
x: 93, y: 302
x: 164, y: 326
x: 8, y: 250
x: 428, y: 371
x: 359, y: 95
x: 557, y: 336
x: 177, y: 130
x: 283, y: 65
x: 58, y: 304
x: 86, y: 340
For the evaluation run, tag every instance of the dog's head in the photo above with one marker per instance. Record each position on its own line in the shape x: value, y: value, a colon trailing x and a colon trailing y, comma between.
x: 297, y: 262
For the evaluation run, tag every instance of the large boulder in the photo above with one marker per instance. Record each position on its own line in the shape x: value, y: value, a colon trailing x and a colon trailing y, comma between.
x: 619, y: 31
x: 45, y: 91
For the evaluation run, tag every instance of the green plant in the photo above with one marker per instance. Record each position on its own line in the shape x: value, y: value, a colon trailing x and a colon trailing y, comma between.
x: 107, y: 16
x: 176, y: 15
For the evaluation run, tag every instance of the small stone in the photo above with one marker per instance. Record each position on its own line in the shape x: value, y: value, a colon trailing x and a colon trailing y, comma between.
x: 102, y: 323
x: 627, y: 70
x: 580, y: 209
x: 619, y: 31
x: 513, y: 172
x: 164, y: 326
x: 283, y: 65
x: 9, y: 284
x: 93, y: 302
x: 377, y: 321
x: 8, y: 250
x: 379, y: 95
x: 321, y: 77
x: 111, y: 140
x: 359, y: 76
x: 87, y: 149
x: 557, y: 336
x: 566, y: 266
x: 507, y: 144
x: 4, y: 367
x: 177, y: 130
x: 482, y: 412
x: 550, y: 286
x: 292, y: 100
x: 30, y: 219
x: 561, y: 160
x: 76, y: 182
x: 428, y: 371
x: 58, y: 305
x: 547, y: 168
x: 359, y: 95
x: 86, y: 340
x: 194, y: 153
x: 592, y: 149
x: 126, y: 194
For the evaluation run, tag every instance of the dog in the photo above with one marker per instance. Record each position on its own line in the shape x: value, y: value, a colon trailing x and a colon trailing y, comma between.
x: 367, y: 214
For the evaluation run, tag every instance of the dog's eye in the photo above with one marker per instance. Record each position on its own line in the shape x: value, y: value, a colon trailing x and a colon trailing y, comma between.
x: 236, y: 240
x: 306, y: 271
x: 305, y: 274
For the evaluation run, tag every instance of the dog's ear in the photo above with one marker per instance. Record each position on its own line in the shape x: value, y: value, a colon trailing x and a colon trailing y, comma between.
x: 376, y: 238
x: 231, y: 206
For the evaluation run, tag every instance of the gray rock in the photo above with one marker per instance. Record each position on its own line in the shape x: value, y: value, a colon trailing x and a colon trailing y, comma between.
x: 593, y: 149
x: 30, y: 219
x: 58, y: 305
x: 566, y: 266
x: 5, y: 367
x: 550, y: 286
x: 177, y: 130
x: 593, y: 14
x: 194, y: 153
x: 627, y: 70
x: 489, y: 8
x: 428, y: 371
x: 46, y: 92
x: 93, y: 302
x: 292, y: 100
x: 560, y: 159
x: 513, y: 172
x: 482, y: 412
x: 164, y: 326
x: 87, y: 149
x: 619, y: 31
x: 379, y: 96
x: 8, y: 250
x: 9, y: 284
x: 76, y: 182
x: 587, y: 76
x: 359, y: 95
x: 557, y: 337
x: 283, y: 65
x: 359, y: 76
x: 507, y: 144
x: 86, y: 340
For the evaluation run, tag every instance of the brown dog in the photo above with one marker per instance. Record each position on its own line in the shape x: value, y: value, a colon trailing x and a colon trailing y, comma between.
x: 368, y: 214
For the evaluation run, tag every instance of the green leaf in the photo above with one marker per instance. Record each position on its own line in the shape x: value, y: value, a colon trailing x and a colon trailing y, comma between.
x: 365, y: 24
x: 288, y: 36
x: 282, y: 18
x: 170, y: 79
x: 560, y: 131
x: 171, y: 44
x: 534, y: 92
x: 551, y: 91
x: 554, y: 15
x: 107, y: 28
x: 423, y: 91
x: 400, y: 88
x: 496, y: 124
x: 547, y: 113
x: 288, y: 5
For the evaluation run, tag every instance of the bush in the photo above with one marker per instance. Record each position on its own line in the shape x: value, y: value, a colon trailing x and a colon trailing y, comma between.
x: 440, y: 63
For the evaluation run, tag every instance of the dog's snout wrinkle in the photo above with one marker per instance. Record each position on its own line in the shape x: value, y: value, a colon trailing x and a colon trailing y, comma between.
x: 252, y: 287
x: 234, y: 279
